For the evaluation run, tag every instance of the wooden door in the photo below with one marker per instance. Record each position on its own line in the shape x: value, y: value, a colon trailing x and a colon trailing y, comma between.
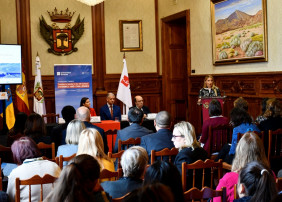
x: 176, y: 64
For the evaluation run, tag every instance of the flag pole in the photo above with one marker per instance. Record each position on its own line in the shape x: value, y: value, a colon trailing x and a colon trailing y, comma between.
x: 123, y: 55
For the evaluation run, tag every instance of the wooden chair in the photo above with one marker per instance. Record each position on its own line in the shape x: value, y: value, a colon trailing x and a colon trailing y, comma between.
x: 218, y: 136
x: 260, y: 134
x: 117, y: 156
x: 35, y: 180
x: 106, y: 174
x: 6, y: 154
x: 120, y: 199
x: 279, y: 184
x: 274, y: 145
x: 165, y: 152
x: 128, y: 143
x: 201, y: 165
x: 43, y: 146
x: 206, y: 193
x: 111, y: 133
x: 51, y: 118
x: 61, y: 159
x: 235, y: 191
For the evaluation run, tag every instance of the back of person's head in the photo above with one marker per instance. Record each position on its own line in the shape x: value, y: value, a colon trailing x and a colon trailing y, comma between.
x: 19, y: 126
x: 258, y: 182
x: 156, y: 192
x: 24, y: 148
x: 239, y: 116
x: 263, y: 105
x: 135, y: 115
x: 215, y: 108
x: 77, y: 180
x: 249, y: 148
x: 163, y: 119
x: 241, y: 103
x: 83, y: 114
x: 167, y: 174
x: 273, y: 108
x: 188, y: 131
x: 134, y: 161
x: 73, y: 131
x: 68, y: 113
x: 82, y: 101
x: 35, y: 126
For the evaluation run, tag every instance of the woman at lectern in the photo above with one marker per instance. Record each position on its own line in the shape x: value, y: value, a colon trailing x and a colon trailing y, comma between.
x: 86, y: 103
x: 209, y: 89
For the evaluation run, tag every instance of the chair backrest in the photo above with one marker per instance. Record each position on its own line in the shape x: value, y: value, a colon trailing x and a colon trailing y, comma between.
x: 120, y: 199
x: 165, y: 152
x: 117, y: 156
x: 61, y: 159
x: 219, y: 135
x: 260, y: 134
x: 235, y: 191
x: 279, y: 183
x: 106, y: 174
x: 46, y: 179
x: 51, y: 118
x: 111, y: 133
x: 128, y: 143
x: 198, y: 166
x: 43, y: 146
x: 274, y: 144
x: 6, y: 154
x: 194, y: 194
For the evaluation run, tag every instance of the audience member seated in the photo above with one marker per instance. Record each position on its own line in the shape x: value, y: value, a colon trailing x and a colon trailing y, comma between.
x: 184, y: 139
x: 250, y: 148
x: 151, y: 192
x: 27, y: 155
x: 261, y: 117
x: 241, y: 103
x: 216, y: 118
x: 83, y: 114
x: 58, y: 134
x: 167, y: 174
x: 90, y: 142
x: 73, y: 131
x: 35, y: 128
x: 78, y: 182
x: 139, y: 103
x: 242, y: 123
x: 110, y: 111
x: 4, y: 197
x: 18, y: 130
x: 135, y: 118
x: 256, y: 183
x: 133, y: 163
x: 86, y: 103
x: 162, y: 138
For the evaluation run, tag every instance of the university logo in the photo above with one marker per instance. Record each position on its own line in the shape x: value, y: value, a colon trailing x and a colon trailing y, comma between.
x: 61, y: 41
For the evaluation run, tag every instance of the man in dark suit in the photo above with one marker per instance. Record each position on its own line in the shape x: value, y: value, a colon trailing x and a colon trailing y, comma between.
x: 162, y: 138
x: 139, y: 103
x: 135, y: 118
x: 110, y: 111
x: 83, y: 114
x: 133, y: 163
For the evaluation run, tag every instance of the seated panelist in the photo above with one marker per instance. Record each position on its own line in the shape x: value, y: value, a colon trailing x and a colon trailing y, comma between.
x: 86, y: 103
x: 139, y: 103
x: 110, y: 111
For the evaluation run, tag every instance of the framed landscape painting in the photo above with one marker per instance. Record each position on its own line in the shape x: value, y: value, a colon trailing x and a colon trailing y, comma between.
x: 239, y: 31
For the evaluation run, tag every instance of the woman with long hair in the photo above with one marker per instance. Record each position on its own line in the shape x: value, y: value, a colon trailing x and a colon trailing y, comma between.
x: 209, y: 89
x: 86, y: 103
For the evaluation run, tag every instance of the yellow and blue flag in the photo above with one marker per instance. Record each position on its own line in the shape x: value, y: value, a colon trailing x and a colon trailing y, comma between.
x: 9, y: 109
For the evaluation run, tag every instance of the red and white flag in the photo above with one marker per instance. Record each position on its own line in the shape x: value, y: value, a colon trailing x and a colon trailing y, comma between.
x: 124, y: 93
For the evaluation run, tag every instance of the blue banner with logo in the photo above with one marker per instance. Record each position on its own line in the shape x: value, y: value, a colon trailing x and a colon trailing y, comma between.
x: 72, y: 82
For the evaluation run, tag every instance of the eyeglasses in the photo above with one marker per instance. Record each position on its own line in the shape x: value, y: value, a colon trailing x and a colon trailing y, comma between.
x: 175, y: 136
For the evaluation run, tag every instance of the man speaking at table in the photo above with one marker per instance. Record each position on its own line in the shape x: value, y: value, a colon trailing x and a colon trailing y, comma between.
x: 139, y: 102
x: 110, y: 111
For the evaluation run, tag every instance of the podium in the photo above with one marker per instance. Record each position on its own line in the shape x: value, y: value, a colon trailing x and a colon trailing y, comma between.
x: 205, y: 105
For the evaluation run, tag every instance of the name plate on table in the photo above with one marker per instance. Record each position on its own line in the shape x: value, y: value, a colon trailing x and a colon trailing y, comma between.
x: 95, y: 119
x: 124, y: 117
x: 151, y: 116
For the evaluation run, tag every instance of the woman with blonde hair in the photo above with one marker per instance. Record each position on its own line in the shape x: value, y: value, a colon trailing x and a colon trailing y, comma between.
x: 209, y: 89
x: 184, y: 139
x: 250, y: 148
x: 91, y: 142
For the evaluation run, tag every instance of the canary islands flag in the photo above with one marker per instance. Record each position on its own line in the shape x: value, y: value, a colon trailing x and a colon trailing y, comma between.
x: 9, y: 110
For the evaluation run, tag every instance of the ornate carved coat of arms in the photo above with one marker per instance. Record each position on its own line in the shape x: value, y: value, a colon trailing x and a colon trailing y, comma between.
x: 61, y: 41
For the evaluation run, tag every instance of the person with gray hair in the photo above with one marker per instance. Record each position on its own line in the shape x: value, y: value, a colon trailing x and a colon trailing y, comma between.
x: 162, y: 138
x: 133, y: 163
x: 110, y: 111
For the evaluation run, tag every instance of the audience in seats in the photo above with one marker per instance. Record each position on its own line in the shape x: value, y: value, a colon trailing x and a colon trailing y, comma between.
x: 261, y: 117
x: 35, y: 128
x: 135, y: 118
x: 83, y: 114
x: 242, y: 123
x: 184, y: 139
x: 110, y: 111
x: 256, y: 183
x: 78, y: 182
x: 27, y: 155
x: 162, y: 138
x: 241, y: 103
x: 133, y: 163
x: 73, y: 132
x: 86, y: 103
x: 250, y: 148
x: 167, y: 174
x: 90, y: 142
x: 216, y: 118
x: 139, y: 103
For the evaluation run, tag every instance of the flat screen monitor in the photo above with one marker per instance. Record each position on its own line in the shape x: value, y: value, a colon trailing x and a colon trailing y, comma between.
x: 10, y: 64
